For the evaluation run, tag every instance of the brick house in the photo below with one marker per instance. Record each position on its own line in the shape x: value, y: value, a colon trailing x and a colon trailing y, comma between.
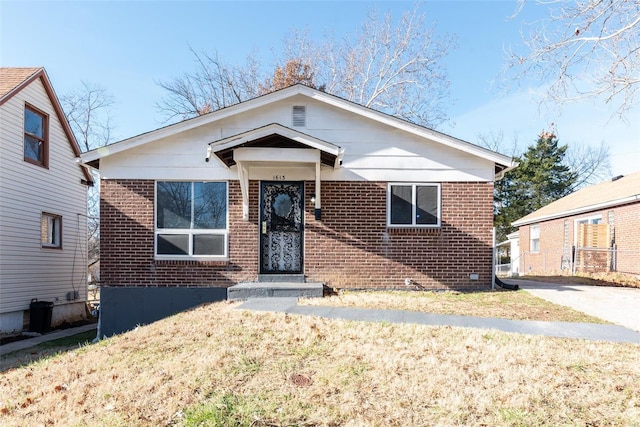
x: 594, y: 229
x: 296, y: 183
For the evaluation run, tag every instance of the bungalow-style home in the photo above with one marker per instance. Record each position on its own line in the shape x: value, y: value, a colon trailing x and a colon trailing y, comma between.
x: 594, y: 229
x: 296, y: 185
x: 43, y: 205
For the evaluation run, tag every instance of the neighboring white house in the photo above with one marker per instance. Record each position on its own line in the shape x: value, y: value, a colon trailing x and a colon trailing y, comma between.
x: 43, y: 203
x: 514, y: 251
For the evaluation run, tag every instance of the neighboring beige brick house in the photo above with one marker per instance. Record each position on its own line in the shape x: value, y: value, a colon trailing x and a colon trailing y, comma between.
x: 296, y: 182
x: 43, y: 203
x: 594, y: 229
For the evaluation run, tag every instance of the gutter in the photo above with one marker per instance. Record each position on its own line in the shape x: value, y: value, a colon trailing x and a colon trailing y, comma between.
x: 576, y: 211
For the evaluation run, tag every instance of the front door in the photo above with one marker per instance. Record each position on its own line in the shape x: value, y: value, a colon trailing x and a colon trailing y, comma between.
x: 281, y: 227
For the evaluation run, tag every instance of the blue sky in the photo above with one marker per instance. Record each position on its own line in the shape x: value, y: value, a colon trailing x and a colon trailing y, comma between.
x: 127, y: 46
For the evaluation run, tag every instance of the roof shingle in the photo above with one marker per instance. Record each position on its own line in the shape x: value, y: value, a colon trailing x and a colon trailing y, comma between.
x: 608, y: 193
x: 11, y: 77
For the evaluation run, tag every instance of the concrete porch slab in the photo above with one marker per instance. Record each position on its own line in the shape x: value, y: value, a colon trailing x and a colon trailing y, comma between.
x: 243, y: 291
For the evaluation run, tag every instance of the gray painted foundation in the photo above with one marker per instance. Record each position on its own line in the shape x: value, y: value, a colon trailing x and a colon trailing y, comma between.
x: 123, y: 308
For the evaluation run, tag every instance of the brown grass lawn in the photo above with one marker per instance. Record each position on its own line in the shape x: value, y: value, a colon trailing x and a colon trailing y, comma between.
x: 518, y: 305
x: 215, y: 365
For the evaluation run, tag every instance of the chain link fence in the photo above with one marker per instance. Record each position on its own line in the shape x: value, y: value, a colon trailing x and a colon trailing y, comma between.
x: 572, y: 261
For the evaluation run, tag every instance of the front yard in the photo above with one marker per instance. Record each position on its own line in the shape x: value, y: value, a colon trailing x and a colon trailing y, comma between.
x: 215, y: 365
x: 518, y: 305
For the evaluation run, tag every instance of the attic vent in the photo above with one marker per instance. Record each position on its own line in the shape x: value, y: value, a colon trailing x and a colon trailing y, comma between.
x: 299, y: 115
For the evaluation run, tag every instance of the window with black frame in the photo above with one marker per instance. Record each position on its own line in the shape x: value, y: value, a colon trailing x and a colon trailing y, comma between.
x: 413, y: 205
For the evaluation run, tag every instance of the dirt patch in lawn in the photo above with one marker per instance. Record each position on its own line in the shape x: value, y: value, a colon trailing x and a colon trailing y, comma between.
x: 518, y: 305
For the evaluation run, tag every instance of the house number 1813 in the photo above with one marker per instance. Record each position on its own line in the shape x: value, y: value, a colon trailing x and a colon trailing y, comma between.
x: 279, y: 177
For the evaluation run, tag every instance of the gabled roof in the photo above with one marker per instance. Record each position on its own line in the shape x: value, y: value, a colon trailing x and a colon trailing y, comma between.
x: 275, y: 135
x: 15, y: 79
x: 600, y: 196
x: 502, y: 162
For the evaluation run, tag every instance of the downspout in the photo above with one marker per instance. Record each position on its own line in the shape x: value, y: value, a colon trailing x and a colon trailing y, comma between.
x: 318, y: 205
x: 493, y: 261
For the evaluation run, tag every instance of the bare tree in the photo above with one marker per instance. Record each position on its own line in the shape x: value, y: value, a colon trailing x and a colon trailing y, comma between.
x: 397, y: 68
x: 590, y: 164
x: 496, y: 142
x: 214, y: 85
x: 584, y: 49
x: 88, y: 111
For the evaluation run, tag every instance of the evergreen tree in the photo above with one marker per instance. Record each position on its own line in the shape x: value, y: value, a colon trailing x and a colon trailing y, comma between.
x: 541, y: 178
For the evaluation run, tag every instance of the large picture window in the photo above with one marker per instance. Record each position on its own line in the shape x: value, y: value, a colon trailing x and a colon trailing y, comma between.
x: 36, y: 134
x: 413, y: 205
x: 191, y: 220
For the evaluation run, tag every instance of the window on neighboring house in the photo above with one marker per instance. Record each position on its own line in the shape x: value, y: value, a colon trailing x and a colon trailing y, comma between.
x: 590, y: 220
x: 592, y: 232
x: 534, y: 238
x: 36, y: 134
x: 191, y: 220
x: 413, y: 205
x: 51, y: 230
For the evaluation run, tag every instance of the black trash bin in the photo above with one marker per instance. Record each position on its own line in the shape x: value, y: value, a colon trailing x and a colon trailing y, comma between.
x: 40, y: 316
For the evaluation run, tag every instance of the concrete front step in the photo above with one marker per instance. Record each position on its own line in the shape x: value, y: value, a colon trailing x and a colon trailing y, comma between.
x: 244, y: 291
x: 281, y: 278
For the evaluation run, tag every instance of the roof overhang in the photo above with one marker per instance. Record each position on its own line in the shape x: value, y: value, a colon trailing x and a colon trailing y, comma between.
x: 502, y: 163
x: 576, y: 211
x: 40, y: 73
x: 276, y: 137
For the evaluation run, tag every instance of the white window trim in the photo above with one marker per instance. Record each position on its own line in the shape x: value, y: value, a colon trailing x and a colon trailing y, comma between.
x: 190, y: 231
x: 52, y: 217
x: 584, y: 219
x: 531, y: 239
x: 413, y: 204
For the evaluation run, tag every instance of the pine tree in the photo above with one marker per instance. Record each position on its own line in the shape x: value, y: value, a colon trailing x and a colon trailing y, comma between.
x: 541, y: 178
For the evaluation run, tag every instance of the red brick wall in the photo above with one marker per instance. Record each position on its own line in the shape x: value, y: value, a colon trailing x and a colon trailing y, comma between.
x: 126, y: 241
x: 350, y: 247
x: 627, y: 238
x: 549, y: 258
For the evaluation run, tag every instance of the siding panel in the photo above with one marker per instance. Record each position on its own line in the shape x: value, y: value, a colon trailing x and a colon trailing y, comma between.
x: 373, y: 151
x: 26, y: 269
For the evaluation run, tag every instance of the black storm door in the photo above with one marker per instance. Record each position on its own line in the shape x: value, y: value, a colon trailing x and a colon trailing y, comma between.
x: 281, y: 227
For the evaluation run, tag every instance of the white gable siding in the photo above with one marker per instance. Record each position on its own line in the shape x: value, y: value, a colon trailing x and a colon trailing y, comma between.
x: 373, y: 150
x: 26, y: 269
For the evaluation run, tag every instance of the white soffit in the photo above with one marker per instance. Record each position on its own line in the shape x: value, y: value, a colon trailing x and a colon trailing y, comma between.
x: 274, y: 128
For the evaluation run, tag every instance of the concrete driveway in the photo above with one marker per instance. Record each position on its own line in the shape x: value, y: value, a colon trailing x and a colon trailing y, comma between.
x: 617, y: 305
